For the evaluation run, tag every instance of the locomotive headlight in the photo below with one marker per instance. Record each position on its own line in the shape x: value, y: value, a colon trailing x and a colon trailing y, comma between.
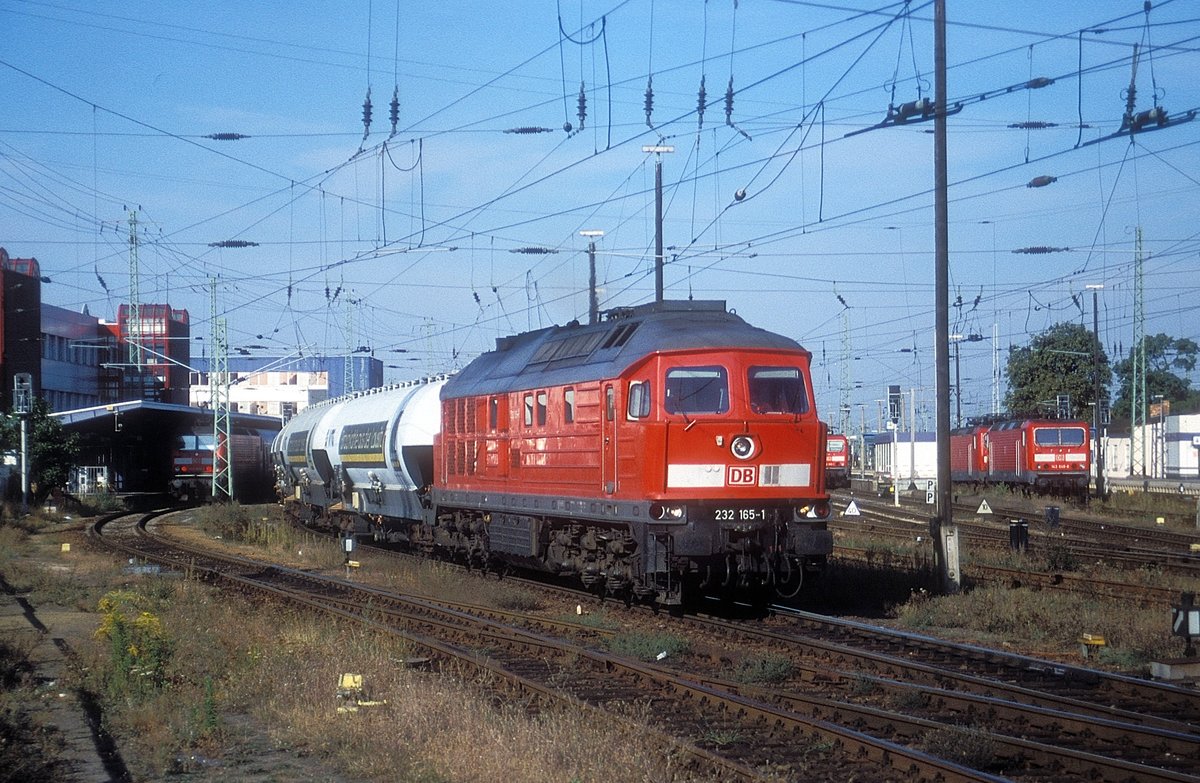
x: 666, y: 513
x: 743, y: 447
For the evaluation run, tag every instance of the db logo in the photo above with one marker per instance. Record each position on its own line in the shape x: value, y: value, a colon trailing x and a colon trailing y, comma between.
x: 742, y: 475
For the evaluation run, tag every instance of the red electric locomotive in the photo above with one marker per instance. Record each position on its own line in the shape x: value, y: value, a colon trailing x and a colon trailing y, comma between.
x: 192, y: 456
x: 1039, y: 455
x: 671, y: 447
x: 837, y: 461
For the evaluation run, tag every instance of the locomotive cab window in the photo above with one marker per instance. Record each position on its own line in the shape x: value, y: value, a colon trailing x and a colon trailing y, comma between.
x: 697, y: 390
x: 777, y: 390
x: 528, y: 405
x: 543, y: 400
x: 1058, y: 436
x: 569, y: 406
x: 638, y: 406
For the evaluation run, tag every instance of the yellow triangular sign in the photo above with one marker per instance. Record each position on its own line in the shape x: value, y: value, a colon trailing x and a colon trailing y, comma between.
x: 984, y: 508
x: 852, y: 510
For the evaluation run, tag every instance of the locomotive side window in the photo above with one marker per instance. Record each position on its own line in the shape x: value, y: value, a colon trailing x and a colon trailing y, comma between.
x: 493, y: 413
x: 542, y: 403
x: 610, y: 403
x: 697, y: 390
x: 777, y: 390
x: 639, y: 400
x: 528, y: 410
x: 569, y: 406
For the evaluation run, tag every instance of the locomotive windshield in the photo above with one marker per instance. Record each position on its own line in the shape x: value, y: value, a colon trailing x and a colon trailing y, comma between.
x: 190, y: 441
x: 1058, y: 436
x: 777, y: 390
x: 697, y: 390
x: 836, y: 445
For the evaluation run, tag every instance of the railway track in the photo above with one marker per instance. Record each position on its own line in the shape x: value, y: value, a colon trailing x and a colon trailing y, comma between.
x: 686, y: 714
x: 874, y: 694
x: 1125, y: 547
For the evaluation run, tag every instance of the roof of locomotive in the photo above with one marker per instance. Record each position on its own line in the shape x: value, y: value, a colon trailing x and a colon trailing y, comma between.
x: 578, y: 352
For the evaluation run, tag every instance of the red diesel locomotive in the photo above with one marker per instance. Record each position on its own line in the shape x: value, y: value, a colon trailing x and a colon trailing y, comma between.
x: 1037, y: 455
x: 670, y: 448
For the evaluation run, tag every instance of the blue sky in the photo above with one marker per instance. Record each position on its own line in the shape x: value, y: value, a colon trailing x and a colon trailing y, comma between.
x: 427, y: 244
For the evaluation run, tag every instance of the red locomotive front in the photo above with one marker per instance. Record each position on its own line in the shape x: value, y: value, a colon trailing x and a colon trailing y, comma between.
x: 837, y: 461
x: 671, y: 445
x: 1058, y: 454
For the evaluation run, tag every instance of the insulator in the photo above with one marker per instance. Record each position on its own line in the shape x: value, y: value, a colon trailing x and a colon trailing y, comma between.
x: 395, y: 112
x: 1039, y: 82
x: 582, y: 105
x: 649, y: 104
x: 1033, y: 125
x: 567, y: 127
x: 367, y: 114
x: 226, y: 136
x: 729, y: 102
x: 1157, y: 115
x: 1041, y: 182
x: 701, y: 100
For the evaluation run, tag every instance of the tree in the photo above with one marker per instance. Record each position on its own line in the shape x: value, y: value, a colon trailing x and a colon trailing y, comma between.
x: 1058, y: 361
x: 52, y: 452
x: 1164, y: 356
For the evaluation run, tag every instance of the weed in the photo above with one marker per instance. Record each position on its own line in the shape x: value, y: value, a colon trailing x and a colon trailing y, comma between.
x: 722, y: 736
x: 1059, y: 557
x: 648, y: 646
x: 771, y: 669
x: 910, y: 700
x: 967, y: 746
x: 863, y: 686
x: 598, y: 620
x: 516, y: 599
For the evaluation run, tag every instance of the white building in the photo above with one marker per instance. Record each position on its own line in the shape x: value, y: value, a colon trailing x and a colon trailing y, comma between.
x: 281, y: 393
x: 905, y: 456
x: 1169, y: 449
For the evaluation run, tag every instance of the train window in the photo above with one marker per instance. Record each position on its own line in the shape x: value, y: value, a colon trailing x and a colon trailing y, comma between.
x: 493, y: 413
x: 777, y: 390
x: 528, y: 410
x: 1058, y: 436
x: 639, y: 400
x: 836, y: 445
x: 542, y: 400
x: 697, y: 390
x: 569, y: 406
x: 610, y: 403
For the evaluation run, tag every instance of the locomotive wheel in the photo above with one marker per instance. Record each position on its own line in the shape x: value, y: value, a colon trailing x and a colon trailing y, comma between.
x: 791, y: 578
